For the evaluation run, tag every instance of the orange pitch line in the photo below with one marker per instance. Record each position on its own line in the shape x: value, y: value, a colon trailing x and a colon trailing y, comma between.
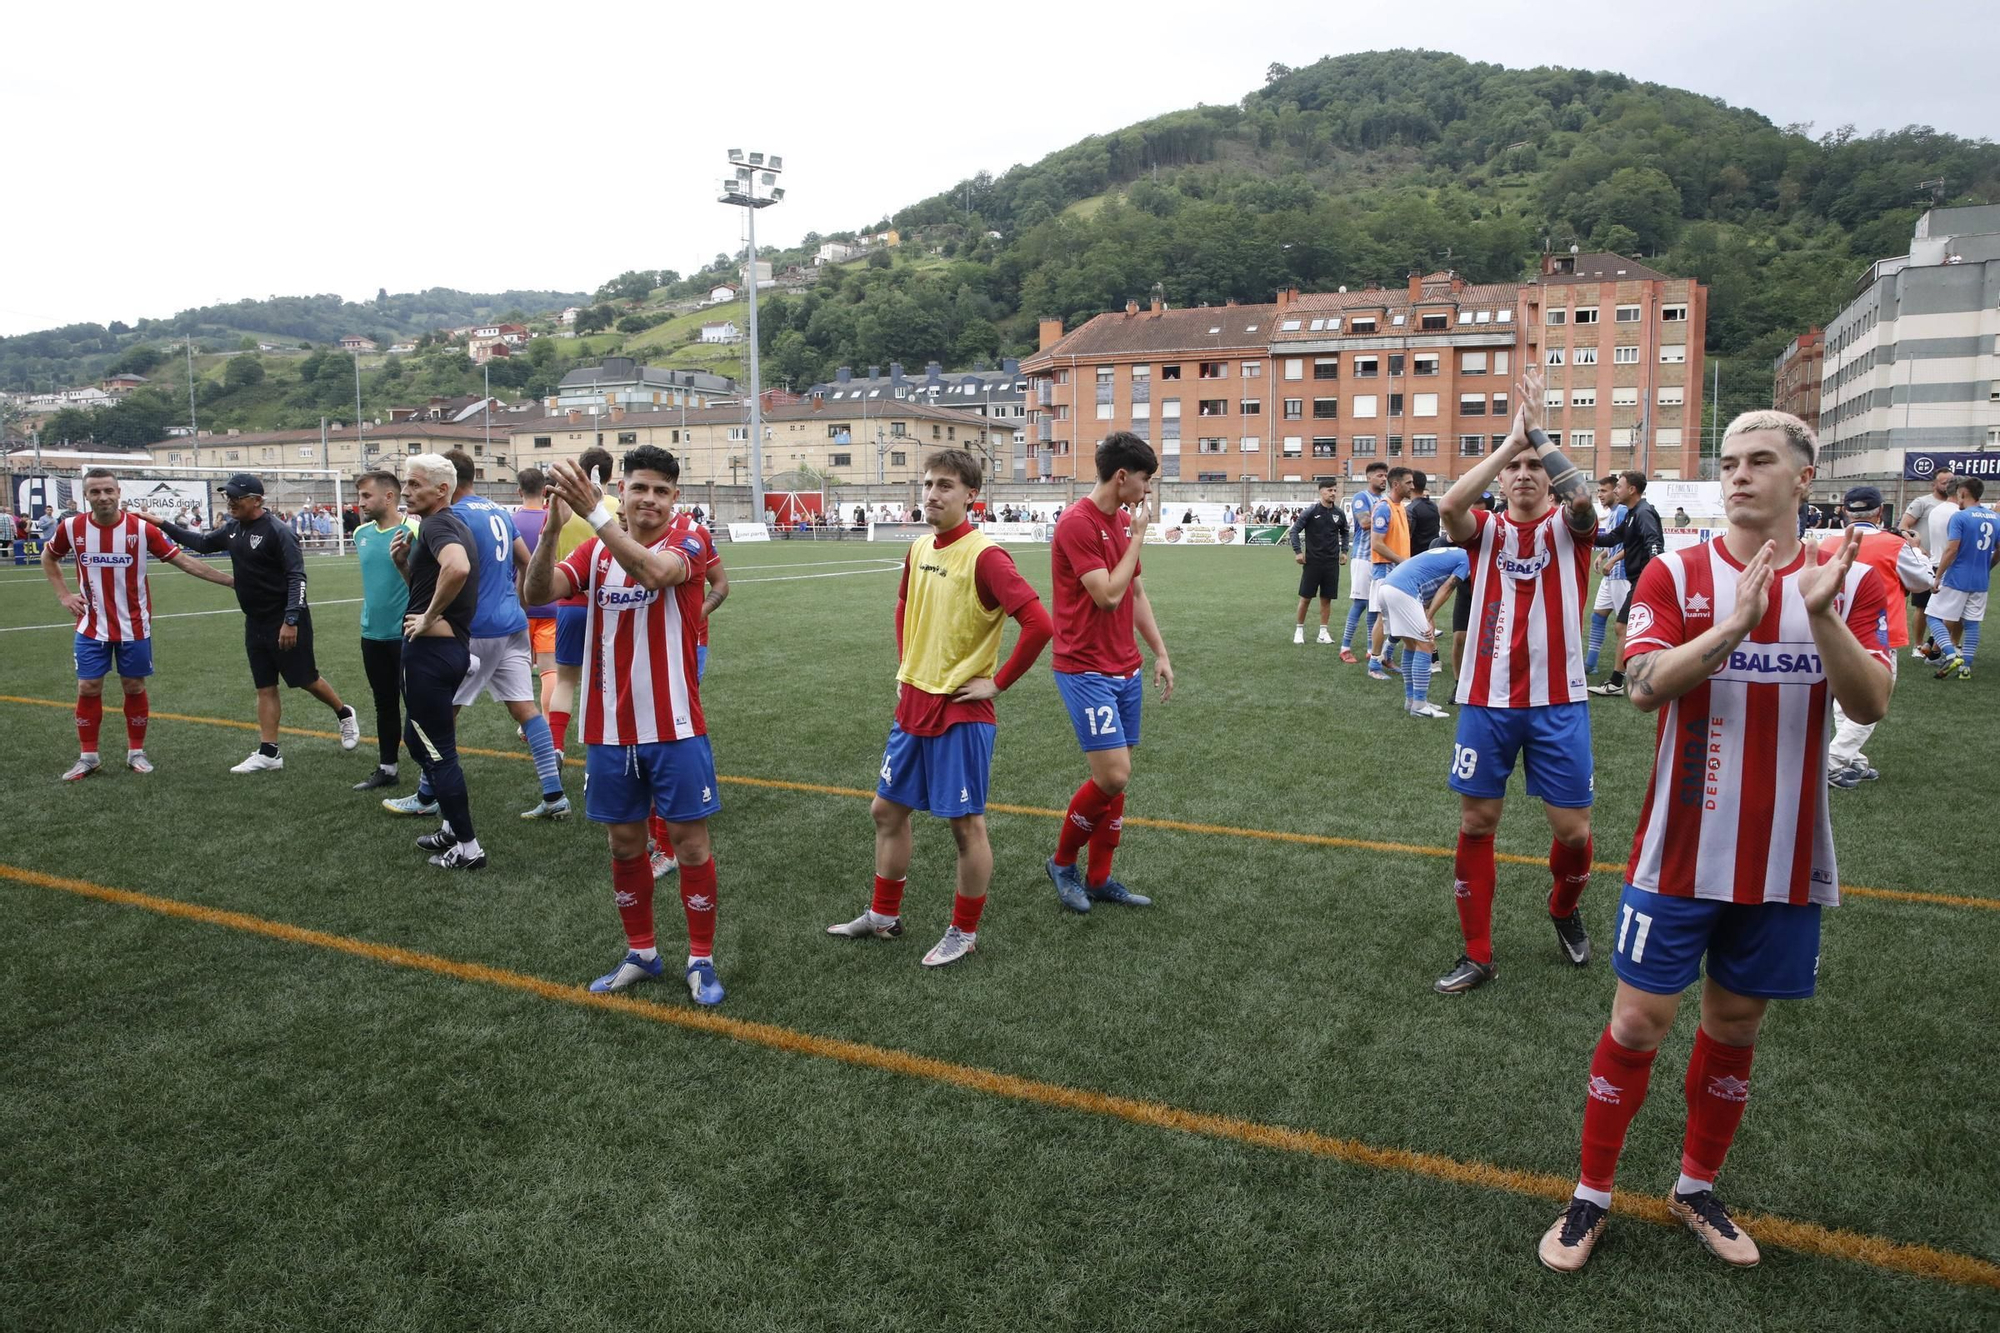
x: 1038, y: 812
x: 1804, y: 1237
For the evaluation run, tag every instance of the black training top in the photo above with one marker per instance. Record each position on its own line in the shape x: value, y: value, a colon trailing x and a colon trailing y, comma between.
x: 441, y: 530
x: 1325, y: 531
x: 1640, y: 536
x: 265, y: 557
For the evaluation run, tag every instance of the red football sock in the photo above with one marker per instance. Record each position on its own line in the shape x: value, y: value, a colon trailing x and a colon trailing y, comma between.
x: 89, y: 717
x: 1718, y: 1088
x: 965, y: 913
x: 632, y: 890
x: 657, y: 828
x: 558, y: 729
x: 1472, y: 874
x: 137, y: 711
x: 888, y: 896
x: 1104, y: 842
x: 1570, y: 867
x: 1085, y: 809
x: 1618, y: 1078
x: 698, y: 901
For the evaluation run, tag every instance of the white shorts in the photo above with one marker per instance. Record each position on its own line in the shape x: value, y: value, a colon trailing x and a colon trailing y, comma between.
x: 1377, y: 582
x: 1611, y: 594
x: 1957, y: 604
x: 1404, y: 614
x: 503, y: 667
x: 1363, y: 579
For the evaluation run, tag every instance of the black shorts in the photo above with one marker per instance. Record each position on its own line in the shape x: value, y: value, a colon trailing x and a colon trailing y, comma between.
x: 1320, y: 578
x: 1461, y: 608
x: 1920, y: 600
x: 268, y: 665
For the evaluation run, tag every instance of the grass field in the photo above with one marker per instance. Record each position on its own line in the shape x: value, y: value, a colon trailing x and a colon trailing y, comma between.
x: 267, y: 1069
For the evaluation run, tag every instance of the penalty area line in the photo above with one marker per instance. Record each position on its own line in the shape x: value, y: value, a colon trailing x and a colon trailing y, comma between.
x: 1805, y: 1237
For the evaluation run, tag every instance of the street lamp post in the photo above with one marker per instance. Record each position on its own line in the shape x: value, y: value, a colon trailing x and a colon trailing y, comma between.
x: 754, y: 185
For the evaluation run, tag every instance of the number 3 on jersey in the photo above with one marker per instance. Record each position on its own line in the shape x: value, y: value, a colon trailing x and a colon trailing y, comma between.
x: 1103, y: 720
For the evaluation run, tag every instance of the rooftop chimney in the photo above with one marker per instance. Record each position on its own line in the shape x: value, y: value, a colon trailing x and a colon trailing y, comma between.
x: 1158, y: 305
x: 575, y: 416
x: 874, y: 372
x: 1051, y: 333
x: 843, y: 375
x: 1131, y: 308
x: 617, y: 413
x: 895, y: 372
x: 1010, y: 366
x: 1286, y: 297
x: 1416, y: 286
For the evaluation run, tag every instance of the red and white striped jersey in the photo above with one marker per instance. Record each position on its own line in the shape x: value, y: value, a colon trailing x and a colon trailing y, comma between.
x: 1737, y: 807
x: 1526, y: 638
x: 684, y: 523
x: 111, y: 573
x: 639, y: 673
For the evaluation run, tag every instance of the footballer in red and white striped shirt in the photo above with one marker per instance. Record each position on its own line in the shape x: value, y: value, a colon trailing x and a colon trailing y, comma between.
x: 1741, y: 645
x: 1521, y: 685
x: 113, y: 606
x: 646, y: 742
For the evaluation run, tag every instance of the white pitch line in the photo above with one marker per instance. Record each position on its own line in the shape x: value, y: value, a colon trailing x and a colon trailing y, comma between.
x: 837, y: 574
x: 177, y: 615
x: 813, y: 564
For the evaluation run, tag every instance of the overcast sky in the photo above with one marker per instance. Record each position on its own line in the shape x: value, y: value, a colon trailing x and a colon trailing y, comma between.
x: 167, y: 156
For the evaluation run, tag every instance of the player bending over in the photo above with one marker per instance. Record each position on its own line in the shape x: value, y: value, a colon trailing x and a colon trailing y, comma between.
x: 1411, y: 597
x: 957, y: 591
x: 1740, y: 643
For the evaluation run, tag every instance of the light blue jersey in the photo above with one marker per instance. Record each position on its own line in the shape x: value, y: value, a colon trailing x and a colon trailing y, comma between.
x: 1975, y: 530
x: 1426, y: 571
x: 499, y: 613
x: 1617, y: 516
x: 1360, y: 510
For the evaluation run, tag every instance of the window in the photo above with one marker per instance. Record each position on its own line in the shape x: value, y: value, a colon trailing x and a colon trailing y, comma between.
x: 1214, y: 446
x: 1552, y: 400
x: 1325, y: 446
x: 1252, y: 407
x: 1500, y: 408
x: 1398, y: 321
x: 1583, y: 356
x: 1367, y: 366
x: 1465, y: 316
x: 1251, y: 444
x: 628, y: 437
x: 1395, y: 446
x: 1621, y: 437
x: 1170, y: 372
x: 1673, y: 354
x: 1483, y: 317
x: 1628, y: 314
x: 1326, y: 367
x: 1395, y: 363
x: 1364, y: 405
x: 1295, y: 408
x: 1423, y: 405
x: 739, y: 433
x: 1289, y: 326
x: 1627, y: 396
x: 1554, y: 357
x: 1472, y: 363
x: 1253, y: 370
x: 1395, y: 404
x: 1423, y: 446
x: 1471, y: 446
x: 836, y: 430
x: 1582, y: 440
x: 1104, y: 411
x: 897, y: 430
x: 1141, y: 409
x: 1624, y: 356
x: 1583, y: 398
x: 1674, y: 314
x: 1170, y: 410
x: 1424, y: 363
x: 1496, y: 440
x: 937, y: 432
x: 1556, y: 317
x: 1332, y: 325
x: 1472, y: 404
x: 1434, y: 323
x: 1295, y: 446
x: 1325, y: 409
x: 1501, y: 362
x: 1316, y: 326
x: 1584, y: 314
x: 1361, y: 324
x: 1213, y: 370
x: 898, y: 457
x: 840, y: 460
x: 1672, y: 395
x: 1212, y: 407
x: 1211, y: 476
x: 1669, y: 438
x: 1364, y: 446
x: 1295, y: 367
x: 544, y: 442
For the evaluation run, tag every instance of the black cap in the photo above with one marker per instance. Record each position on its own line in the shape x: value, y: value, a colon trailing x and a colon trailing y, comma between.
x: 242, y: 484
x: 1861, y: 500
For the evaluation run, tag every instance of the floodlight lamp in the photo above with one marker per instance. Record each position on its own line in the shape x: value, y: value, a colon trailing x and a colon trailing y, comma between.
x: 777, y: 194
x: 768, y: 178
x: 743, y: 173
x: 756, y: 159
x: 736, y: 155
x: 776, y: 164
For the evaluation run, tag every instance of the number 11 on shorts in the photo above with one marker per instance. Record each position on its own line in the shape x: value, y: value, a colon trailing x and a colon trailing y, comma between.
x: 1638, y: 953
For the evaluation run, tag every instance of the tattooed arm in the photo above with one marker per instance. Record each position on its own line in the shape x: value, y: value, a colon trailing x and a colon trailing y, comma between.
x: 1653, y: 679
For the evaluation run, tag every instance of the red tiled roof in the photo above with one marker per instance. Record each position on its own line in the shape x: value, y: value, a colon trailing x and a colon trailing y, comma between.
x: 1226, y: 328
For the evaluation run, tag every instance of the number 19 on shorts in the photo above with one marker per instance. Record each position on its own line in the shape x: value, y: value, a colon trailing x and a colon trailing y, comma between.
x: 1464, y: 762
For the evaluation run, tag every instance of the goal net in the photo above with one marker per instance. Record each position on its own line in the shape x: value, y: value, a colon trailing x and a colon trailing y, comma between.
x: 313, y: 502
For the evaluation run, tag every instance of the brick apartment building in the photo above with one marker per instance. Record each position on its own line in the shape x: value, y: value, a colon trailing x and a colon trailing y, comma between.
x: 1421, y: 375
x: 1795, y: 377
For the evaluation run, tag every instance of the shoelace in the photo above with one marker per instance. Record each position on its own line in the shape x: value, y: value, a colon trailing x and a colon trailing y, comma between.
x: 1577, y: 1222
x: 1710, y: 1210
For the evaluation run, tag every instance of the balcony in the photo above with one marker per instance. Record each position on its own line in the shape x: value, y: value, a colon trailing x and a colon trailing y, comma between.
x: 1045, y: 393
x: 1045, y: 429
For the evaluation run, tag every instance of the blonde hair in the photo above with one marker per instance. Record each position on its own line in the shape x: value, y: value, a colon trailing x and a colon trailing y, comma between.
x: 431, y: 467
x: 1796, y: 432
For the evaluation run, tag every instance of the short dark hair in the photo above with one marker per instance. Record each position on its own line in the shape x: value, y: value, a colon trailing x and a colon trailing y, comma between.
x: 1397, y: 472
x: 1123, y: 449
x: 1419, y: 480
x: 1972, y: 486
x: 530, y: 481
x: 1637, y: 481
x: 380, y: 478
x: 596, y: 464
x: 461, y: 463
x: 100, y: 472
x: 960, y: 464
x: 1377, y: 466
x: 651, y: 458
x: 1324, y: 482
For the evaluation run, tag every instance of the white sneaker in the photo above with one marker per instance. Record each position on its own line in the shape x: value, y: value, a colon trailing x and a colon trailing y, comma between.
x: 136, y: 761
x: 1298, y: 634
x: 662, y: 863
x: 955, y: 945
x: 1324, y: 636
x: 259, y: 762
x: 82, y: 768
x: 1917, y: 654
x: 350, y: 730
x: 1427, y: 709
x: 861, y: 927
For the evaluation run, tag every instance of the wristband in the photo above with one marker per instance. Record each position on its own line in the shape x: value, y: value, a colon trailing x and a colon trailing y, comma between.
x: 598, y: 517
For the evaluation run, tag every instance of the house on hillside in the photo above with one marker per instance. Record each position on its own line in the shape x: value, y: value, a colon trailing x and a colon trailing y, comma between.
x: 569, y: 315
x: 122, y: 384
x: 835, y: 252
x: 402, y: 348
x: 721, y: 294
x: 354, y: 342
x: 721, y: 331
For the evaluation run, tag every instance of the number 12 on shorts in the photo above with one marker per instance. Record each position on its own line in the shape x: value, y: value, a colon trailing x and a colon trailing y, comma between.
x: 1103, y: 720
x: 1638, y: 953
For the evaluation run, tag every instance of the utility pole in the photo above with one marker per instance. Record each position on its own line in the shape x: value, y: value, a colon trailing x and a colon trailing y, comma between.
x: 194, y: 432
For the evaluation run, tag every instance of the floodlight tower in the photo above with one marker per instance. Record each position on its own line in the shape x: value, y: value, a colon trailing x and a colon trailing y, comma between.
x: 753, y: 184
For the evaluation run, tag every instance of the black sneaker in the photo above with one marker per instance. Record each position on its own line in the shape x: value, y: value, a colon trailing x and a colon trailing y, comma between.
x: 437, y: 841
x: 453, y: 859
x: 1467, y: 975
x: 379, y: 778
x: 1575, y: 939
